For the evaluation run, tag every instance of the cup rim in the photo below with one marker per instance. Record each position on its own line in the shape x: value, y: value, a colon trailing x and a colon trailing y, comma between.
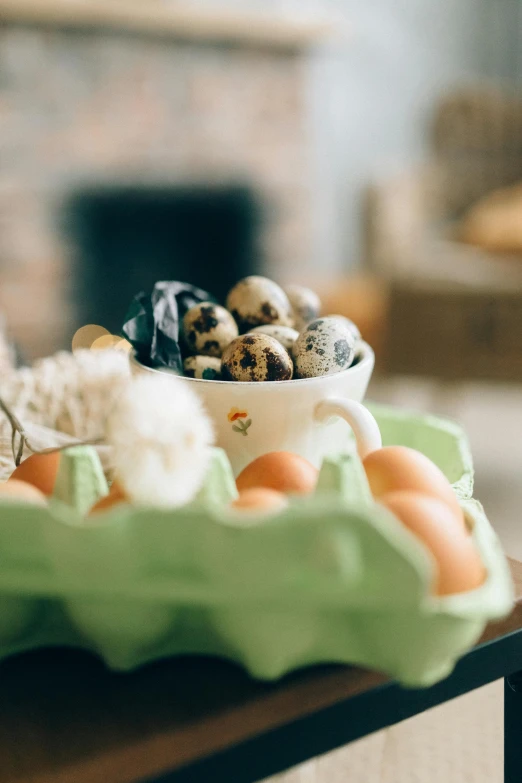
x: 366, y: 362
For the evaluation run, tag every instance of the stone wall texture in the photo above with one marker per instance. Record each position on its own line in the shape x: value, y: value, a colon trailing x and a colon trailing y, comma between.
x: 84, y: 110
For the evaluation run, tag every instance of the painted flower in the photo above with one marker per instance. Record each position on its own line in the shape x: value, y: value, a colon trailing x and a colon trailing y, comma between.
x: 235, y: 413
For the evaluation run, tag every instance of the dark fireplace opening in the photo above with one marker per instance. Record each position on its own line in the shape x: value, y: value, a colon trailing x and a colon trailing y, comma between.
x: 126, y: 239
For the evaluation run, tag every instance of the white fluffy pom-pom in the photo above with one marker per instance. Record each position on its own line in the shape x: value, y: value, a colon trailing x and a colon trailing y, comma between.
x: 161, y: 439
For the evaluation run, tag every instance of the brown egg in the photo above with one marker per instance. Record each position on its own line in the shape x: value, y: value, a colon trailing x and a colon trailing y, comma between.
x: 115, y: 497
x: 459, y: 567
x: 396, y: 468
x: 40, y: 470
x: 260, y: 499
x: 17, y: 491
x: 279, y: 470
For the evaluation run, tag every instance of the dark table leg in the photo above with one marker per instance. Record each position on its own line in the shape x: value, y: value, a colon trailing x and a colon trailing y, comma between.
x: 513, y: 728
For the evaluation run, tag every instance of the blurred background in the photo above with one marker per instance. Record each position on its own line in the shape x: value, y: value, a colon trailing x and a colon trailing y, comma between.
x: 370, y: 149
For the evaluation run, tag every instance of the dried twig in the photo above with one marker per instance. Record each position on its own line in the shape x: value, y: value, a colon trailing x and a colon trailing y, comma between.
x: 19, y: 430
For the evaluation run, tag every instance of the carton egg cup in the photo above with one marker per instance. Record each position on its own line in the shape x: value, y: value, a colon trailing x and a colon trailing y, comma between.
x: 334, y: 578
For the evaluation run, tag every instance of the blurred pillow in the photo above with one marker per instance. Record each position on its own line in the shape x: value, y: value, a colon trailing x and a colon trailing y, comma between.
x: 495, y: 222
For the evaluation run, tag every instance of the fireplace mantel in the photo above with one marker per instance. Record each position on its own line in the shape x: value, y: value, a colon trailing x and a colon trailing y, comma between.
x: 176, y: 20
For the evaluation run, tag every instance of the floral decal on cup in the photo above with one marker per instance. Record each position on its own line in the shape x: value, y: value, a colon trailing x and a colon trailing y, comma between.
x: 236, y: 415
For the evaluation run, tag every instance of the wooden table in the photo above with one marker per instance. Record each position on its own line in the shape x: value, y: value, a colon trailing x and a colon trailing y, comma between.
x: 65, y: 719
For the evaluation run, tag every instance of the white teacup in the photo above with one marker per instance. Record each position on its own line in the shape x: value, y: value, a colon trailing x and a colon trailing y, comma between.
x: 302, y: 416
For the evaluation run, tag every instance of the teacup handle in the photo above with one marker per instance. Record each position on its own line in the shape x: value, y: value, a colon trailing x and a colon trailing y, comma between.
x: 365, y: 428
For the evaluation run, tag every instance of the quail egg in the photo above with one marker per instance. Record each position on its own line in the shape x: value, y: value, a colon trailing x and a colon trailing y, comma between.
x: 306, y: 305
x: 208, y: 328
x: 347, y: 322
x: 206, y: 368
x: 256, y: 300
x: 256, y: 357
x: 283, y: 334
x: 324, y: 347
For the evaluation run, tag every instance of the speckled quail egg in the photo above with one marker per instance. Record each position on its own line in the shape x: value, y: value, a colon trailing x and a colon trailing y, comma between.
x: 208, y: 328
x: 256, y: 300
x: 206, y: 368
x: 306, y: 305
x: 283, y: 334
x: 358, y: 352
x: 324, y: 347
x: 347, y: 322
x: 256, y: 357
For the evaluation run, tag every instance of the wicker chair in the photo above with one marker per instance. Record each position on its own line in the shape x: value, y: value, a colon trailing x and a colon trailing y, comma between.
x: 454, y: 311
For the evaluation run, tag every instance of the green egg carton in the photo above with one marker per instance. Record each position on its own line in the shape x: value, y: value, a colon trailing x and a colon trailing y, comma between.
x: 335, y: 578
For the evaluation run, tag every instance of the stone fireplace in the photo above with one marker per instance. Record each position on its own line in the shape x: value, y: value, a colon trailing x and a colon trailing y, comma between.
x: 88, y: 110
x: 127, y: 238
